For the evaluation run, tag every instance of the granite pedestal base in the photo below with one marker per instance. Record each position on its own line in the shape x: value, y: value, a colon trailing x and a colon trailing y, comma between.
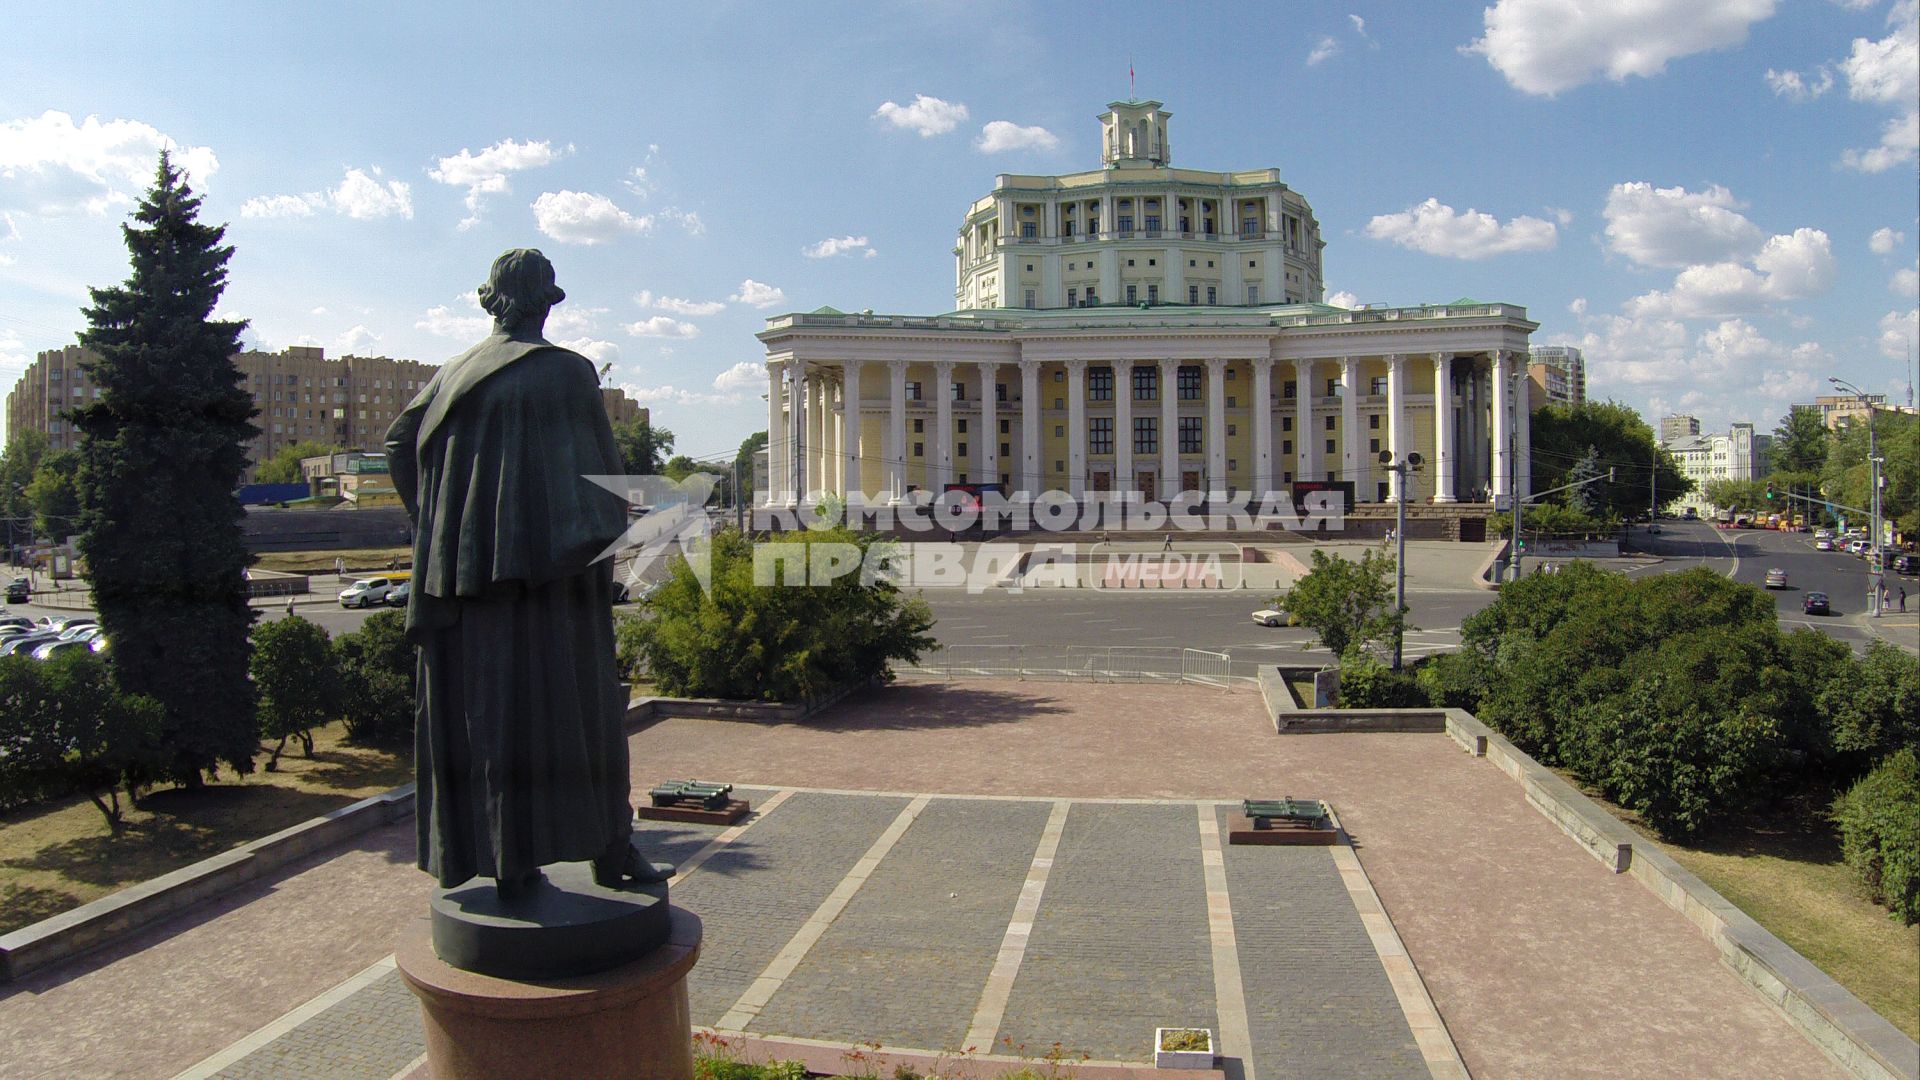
x: 628, y: 1022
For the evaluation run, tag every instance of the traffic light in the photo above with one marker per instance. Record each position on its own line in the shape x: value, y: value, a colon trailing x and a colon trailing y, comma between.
x: 1769, y: 492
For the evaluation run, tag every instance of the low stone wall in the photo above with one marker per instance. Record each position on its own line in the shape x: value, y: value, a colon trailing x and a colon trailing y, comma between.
x: 90, y: 926
x: 1858, y: 1039
x: 643, y: 710
x: 1291, y: 717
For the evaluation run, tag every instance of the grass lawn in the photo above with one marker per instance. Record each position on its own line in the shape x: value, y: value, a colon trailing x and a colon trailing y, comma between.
x: 59, y: 855
x: 1783, y: 868
x: 321, y: 562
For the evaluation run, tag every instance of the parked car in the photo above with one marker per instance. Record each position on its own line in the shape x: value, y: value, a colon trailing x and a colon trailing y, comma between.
x: 24, y: 644
x: 1855, y: 547
x: 1823, y: 534
x: 1270, y: 617
x: 1776, y: 578
x: 19, y: 591
x: 397, y: 596
x: 47, y: 650
x: 366, y: 592
x: 1907, y: 564
x: 1823, y: 543
x: 1690, y: 514
x: 8, y: 622
x: 1815, y: 603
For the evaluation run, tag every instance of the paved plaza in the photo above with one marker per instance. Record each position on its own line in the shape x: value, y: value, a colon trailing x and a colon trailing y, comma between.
x: 1003, y: 864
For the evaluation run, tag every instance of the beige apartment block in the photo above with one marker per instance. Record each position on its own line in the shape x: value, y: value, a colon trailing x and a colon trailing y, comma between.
x: 1147, y: 329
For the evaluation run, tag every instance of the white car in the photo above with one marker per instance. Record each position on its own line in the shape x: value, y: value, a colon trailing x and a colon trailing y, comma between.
x: 366, y: 592
x: 1270, y: 617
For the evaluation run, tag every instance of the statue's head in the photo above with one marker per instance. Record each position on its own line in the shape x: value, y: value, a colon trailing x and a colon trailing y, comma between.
x: 520, y: 290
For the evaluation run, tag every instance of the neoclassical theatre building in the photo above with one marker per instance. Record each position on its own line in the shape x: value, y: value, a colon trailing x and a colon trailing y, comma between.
x: 1152, y: 329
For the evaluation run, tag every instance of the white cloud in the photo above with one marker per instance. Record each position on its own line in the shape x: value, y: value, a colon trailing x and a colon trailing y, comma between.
x: 747, y: 375
x: 1887, y: 72
x: 678, y: 306
x: 758, y: 294
x: 600, y: 352
x: 1788, y: 267
x: 462, y: 321
x: 1324, y: 49
x: 1792, y: 86
x: 319, y: 311
x: 574, y: 320
x: 1359, y: 25
x: 579, y: 217
x: 358, y: 195
x: 836, y: 245
x: 1344, y: 299
x: 1000, y: 136
x: 927, y: 115
x: 686, y: 219
x: 1546, y: 46
x: 1676, y: 227
x: 1898, y: 332
x: 1905, y: 282
x: 662, y: 326
x: 486, y: 172
x: 1731, y: 357
x: 52, y: 165
x: 1884, y: 240
x: 1899, y: 139
x: 355, y: 342
x: 1437, y: 229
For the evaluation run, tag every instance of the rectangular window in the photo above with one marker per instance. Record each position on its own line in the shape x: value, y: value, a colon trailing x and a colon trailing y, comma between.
x: 1006, y: 429
x: 1191, y: 435
x: 1373, y: 446
x: 1333, y: 388
x: 1373, y: 422
x: 1330, y: 426
x: 1146, y: 382
x: 1100, y: 384
x: 1377, y: 385
x: 1153, y: 297
x: 1100, y: 435
x: 960, y: 392
x: 1126, y: 223
x: 1193, y: 294
x: 960, y: 450
x: 1289, y: 388
x: 1146, y: 435
x: 1232, y: 430
x: 1133, y: 294
x: 913, y: 392
x: 1027, y: 230
x: 1249, y: 226
x: 1005, y: 450
x: 1253, y: 294
x: 1030, y: 301
x: 1000, y: 393
x: 1286, y: 447
x: 1211, y: 301
x: 1189, y: 382
x: 1330, y: 450
x: 1286, y: 423
x: 1073, y: 300
x: 1153, y: 223
x: 919, y: 427
x: 961, y: 425
x: 919, y: 449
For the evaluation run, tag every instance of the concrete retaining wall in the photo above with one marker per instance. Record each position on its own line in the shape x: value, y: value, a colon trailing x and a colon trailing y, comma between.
x: 641, y: 710
x: 89, y: 926
x: 1860, y: 1040
x: 1291, y: 717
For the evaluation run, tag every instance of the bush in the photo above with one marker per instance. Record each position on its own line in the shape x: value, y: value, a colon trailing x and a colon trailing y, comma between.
x: 1366, y: 683
x: 66, y: 725
x: 1879, y: 820
x: 297, y: 675
x: 1456, y: 680
x: 1874, y: 706
x: 784, y: 642
x: 377, y: 669
x: 1347, y: 603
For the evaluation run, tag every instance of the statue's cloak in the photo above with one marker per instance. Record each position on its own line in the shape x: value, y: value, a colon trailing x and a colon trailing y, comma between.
x: 521, y: 755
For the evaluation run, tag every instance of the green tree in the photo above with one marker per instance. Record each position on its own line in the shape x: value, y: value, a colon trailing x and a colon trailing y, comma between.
x: 643, y: 447
x: 33, y: 757
x: 376, y: 666
x: 1736, y: 495
x: 55, y: 494
x: 1349, y: 604
x: 1879, y: 836
x: 1846, y: 477
x: 284, y: 467
x: 297, y: 675
x: 163, y: 450
x: 17, y: 465
x: 1562, y: 434
x: 743, y: 461
x: 1588, y: 497
x: 111, y: 738
x: 1799, y: 442
x: 787, y: 641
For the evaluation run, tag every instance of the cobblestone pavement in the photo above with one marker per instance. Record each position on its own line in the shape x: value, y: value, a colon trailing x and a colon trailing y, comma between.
x: 374, y: 1033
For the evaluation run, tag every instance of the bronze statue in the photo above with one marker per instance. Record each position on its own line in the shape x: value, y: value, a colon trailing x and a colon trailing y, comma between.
x: 521, y: 752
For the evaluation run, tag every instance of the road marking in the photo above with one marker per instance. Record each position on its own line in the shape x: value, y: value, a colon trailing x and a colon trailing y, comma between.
x: 992, y: 1008
x: 1229, y: 994
x: 746, y: 1009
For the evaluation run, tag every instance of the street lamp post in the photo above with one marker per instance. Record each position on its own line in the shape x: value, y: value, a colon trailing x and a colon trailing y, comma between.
x: 1876, y: 569
x: 1401, y: 469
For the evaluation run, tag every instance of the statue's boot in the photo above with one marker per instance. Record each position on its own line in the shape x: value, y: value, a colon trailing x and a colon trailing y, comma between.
x: 624, y: 865
x: 517, y: 887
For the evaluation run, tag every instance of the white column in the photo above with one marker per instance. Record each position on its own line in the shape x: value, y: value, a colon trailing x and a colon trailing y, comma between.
x: 1306, y: 441
x: 776, y: 435
x: 1350, y: 426
x: 1523, y: 435
x: 941, y: 472
x: 897, y: 429
x: 1216, y: 428
x: 1261, y: 417
x: 1442, y: 429
x: 1501, y: 397
x: 1123, y: 426
x: 1397, y: 424
x: 1030, y: 427
x: 819, y: 410
x: 850, y: 431
x: 830, y: 448
x: 986, y: 443
x: 1169, y: 429
x: 1077, y: 428
x: 798, y: 391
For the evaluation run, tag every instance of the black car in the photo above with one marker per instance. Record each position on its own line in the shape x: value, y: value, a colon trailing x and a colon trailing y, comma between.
x: 1907, y: 564
x: 1815, y: 603
x: 19, y: 591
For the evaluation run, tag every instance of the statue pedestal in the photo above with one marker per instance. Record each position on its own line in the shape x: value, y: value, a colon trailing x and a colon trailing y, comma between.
x: 630, y: 1021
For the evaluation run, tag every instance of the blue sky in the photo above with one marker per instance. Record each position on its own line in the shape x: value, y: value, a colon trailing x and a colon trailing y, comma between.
x: 1716, y: 198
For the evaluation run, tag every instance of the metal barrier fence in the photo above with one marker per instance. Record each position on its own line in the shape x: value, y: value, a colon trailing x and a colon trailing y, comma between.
x: 1088, y: 663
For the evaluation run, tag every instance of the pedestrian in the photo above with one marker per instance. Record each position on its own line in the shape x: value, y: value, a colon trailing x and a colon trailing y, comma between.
x: 1903, y: 598
x: 1884, y: 597
x: 1167, y: 544
x: 289, y: 607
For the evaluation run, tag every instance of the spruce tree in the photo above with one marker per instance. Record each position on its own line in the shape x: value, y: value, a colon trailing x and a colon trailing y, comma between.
x: 162, y: 452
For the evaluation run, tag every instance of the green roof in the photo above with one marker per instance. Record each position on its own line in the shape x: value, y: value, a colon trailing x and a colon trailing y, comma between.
x: 825, y: 310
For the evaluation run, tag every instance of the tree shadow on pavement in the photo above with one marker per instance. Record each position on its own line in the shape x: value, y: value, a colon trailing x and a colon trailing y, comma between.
x: 925, y: 706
